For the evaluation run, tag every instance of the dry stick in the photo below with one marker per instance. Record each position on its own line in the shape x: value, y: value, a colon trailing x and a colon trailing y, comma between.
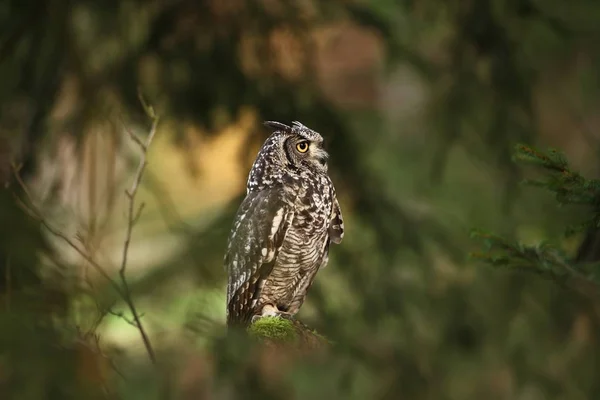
x: 124, y: 291
x: 133, y: 216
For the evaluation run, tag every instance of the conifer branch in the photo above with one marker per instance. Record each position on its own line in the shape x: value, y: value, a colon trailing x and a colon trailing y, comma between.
x: 570, y: 188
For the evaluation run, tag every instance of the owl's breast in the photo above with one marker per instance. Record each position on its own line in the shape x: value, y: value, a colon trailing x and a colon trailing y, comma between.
x: 304, y: 245
x: 312, y: 204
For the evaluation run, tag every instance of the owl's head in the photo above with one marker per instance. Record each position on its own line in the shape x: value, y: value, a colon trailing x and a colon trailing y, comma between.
x: 289, y: 148
x: 299, y: 146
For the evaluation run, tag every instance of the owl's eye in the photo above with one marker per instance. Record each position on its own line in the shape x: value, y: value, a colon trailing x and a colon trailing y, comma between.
x: 302, y: 147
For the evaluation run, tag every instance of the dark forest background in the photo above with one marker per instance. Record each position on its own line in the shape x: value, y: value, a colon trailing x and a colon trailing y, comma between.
x: 421, y: 104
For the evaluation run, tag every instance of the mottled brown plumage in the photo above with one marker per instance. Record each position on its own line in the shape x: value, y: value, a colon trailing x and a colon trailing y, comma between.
x: 282, y: 231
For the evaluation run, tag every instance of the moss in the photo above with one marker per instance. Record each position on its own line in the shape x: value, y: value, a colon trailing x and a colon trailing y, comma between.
x: 274, y: 328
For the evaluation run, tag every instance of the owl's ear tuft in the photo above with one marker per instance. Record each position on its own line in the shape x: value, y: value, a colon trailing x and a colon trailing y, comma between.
x: 276, y: 125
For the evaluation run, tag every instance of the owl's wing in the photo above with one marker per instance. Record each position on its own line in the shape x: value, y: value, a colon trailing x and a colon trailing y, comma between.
x: 254, y: 242
x: 336, y: 222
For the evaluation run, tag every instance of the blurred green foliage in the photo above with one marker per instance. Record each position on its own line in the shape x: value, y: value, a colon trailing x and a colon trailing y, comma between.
x: 408, y: 316
x: 570, y: 188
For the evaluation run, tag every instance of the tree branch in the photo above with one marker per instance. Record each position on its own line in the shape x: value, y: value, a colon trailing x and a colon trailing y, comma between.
x: 133, y: 216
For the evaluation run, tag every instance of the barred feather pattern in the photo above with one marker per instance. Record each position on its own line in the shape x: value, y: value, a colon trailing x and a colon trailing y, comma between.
x: 282, y: 231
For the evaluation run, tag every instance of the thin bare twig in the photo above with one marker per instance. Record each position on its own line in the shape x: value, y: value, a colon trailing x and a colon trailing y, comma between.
x: 123, y: 317
x: 133, y: 216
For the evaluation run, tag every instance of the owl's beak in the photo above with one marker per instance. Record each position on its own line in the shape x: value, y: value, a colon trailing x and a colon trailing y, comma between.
x: 321, y: 155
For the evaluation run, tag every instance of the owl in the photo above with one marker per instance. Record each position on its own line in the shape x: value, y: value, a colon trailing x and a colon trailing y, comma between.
x: 282, y: 230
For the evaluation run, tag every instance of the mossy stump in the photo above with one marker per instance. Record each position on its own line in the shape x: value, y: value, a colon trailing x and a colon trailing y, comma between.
x: 291, y: 334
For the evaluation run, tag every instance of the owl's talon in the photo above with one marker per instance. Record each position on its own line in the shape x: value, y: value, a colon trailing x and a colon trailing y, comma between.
x: 272, y: 315
x: 271, y: 311
x: 285, y: 315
